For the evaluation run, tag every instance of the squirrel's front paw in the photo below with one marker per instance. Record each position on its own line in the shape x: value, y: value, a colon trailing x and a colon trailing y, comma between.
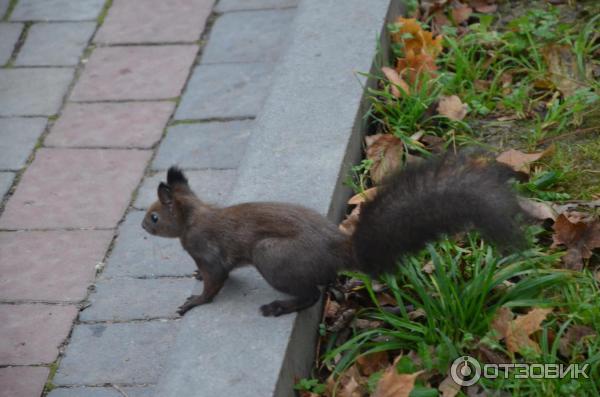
x: 192, y: 301
x: 197, y: 275
x: 274, y: 309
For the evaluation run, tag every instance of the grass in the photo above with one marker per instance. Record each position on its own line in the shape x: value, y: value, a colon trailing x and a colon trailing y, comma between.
x: 502, y: 69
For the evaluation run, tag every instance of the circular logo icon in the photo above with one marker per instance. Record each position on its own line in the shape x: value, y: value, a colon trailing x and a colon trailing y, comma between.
x: 465, y: 371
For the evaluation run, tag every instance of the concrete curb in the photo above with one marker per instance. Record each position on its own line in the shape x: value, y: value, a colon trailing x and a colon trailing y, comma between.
x: 303, y: 144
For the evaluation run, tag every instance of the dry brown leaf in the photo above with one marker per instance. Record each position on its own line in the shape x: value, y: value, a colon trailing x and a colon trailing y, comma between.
x: 386, y: 299
x: 484, y: 6
x: 579, y: 236
x: 370, y: 363
x: 501, y: 320
x: 348, y: 384
x: 367, y: 195
x: 305, y: 393
x: 428, y: 268
x: 563, y: 69
x: 396, y: 81
x: 418, y: 313
x: 448, y: 387
x: 461, y: 13
x: 520, y: 161
x: 332, y: 309
x: 348, y: 225
x: 574, y: 334
x: 537, y: 209
x: 419, y: 47
x: 393, y: 384
x: 385, y: 151
x: 519, y: 330
x: 452, y: 107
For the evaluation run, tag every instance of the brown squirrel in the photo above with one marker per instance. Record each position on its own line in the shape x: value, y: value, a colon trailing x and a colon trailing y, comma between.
x: 297, y: 250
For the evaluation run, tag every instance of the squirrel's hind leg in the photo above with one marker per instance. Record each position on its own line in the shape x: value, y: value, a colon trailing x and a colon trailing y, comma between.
x: 279, y: 307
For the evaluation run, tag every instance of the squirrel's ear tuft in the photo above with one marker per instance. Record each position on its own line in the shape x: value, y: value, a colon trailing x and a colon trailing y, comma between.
x: 175, y: 176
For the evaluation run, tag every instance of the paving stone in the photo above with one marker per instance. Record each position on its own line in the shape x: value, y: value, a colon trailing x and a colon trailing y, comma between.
x: 50, y: 265
x: 212, y: 186
x: 116, y: 353
x: 225, y: 90
x: 33, y: 92
x: 22, y: 381
x: 137, y: 299
x: 9, y: 35
x: 55, y: 44
x: 204, y: 145
x: 124, y: 124
x: 3, y: 7
x: 135, y: 72
x: 142, y: 391
x: 138, y: 254
x: 6, y: 180
x: 57, y: 10
x: 18, y: 137
x: 237, y: 5
x: 248, y: 36
x: 154, y: 21
x: 31, y: 333
x: 75, y: 188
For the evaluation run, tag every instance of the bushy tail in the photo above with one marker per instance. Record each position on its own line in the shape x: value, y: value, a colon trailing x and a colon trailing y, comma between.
x: 444, y: 195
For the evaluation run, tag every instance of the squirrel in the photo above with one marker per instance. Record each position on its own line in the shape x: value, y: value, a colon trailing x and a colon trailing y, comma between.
x: 297, y: 250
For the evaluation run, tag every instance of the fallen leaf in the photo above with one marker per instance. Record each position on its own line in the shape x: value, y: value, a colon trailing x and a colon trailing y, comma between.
x: 385, y: 150
x: 518, y: 330
x: 368, y: 364
x: 367, y: 195
x: 396, y: 81
x: 501, y: 320
x: 574, y: 334
x: 428, y: 268
x: 484, y: 6
x: 520, y: 161
x: 416, y: 314
x: 419, y: 47
x: 332, y: 308
x: 349, y: 383
x: 580, y: 237
x: 452, y: 107
x: 537, y: 209
x: 448, y: 387
x: 563, y: 69
x: 461, y: 13
x: 393, y: 384
x: 348, y: 225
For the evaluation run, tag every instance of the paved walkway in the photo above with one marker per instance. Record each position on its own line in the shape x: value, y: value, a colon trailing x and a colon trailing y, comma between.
x: 97, y: 99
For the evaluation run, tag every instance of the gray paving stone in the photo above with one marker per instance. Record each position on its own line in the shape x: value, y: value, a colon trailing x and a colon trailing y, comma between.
x: 116, y: 353
x: 248, y: 36
x: 226, y: 90
x: 3, y: 7
x: 6, y: 180
x: 9, y: 35
x: 204, y: 145
x: 142, y: 391
x: 137, y: 299
x: 57, y: 10
x: 237, y: 5
x: 18, y: 137
x: 55, y: 44
x: 33, y: 92
x: 212, y: 186
x: 307, y: 136
x: 138, y: 254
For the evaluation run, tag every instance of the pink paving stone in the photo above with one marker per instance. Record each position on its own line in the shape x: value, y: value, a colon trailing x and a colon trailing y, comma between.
x: 32, y: 333
x: 75, y: 188
x: 125, y: 124
x: 154, y: 21
x: 50, y: 265
x: 135, y: 72
x: 22, y: 381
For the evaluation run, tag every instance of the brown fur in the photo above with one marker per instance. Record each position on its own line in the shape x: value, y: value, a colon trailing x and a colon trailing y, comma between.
x: 296, y: 250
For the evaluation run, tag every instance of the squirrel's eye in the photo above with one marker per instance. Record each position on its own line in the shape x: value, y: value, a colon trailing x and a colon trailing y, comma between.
x: 154, y: 218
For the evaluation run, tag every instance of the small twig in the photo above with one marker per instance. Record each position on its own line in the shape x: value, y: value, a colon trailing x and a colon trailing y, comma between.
x: 120, y: 390
x: 579, y: 131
